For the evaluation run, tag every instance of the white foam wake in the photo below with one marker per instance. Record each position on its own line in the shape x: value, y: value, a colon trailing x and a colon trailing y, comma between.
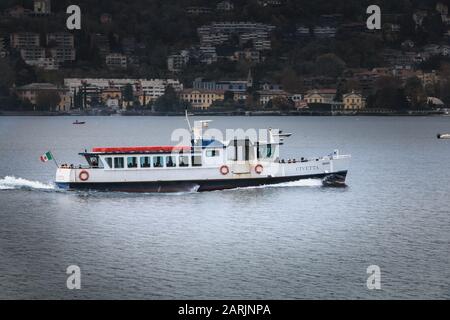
x: 299, y: 183
x: 11, y: 183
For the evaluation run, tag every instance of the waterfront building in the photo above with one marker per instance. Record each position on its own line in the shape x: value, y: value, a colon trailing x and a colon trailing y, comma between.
x: 320, y: 96
x: 265, y: 96
x: 31, y: 93
x: 353, y: 101
x: 202, y: 99
x: 235, y: 86
x: 93, y: 88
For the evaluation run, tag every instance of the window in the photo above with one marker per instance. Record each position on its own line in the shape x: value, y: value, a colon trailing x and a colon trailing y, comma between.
x: 171, y: 161
x: 118, y: 163
x: 158, y: 162
x: 212, y: 153
x: 145, y: 162
x: 109, y: 162
x: 183, y: 161
x: 196, y: 160
x: 132, y: 162
x: 265, y: 151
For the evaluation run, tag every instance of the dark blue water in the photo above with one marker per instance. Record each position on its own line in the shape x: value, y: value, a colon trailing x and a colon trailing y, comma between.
x: 289, y: 241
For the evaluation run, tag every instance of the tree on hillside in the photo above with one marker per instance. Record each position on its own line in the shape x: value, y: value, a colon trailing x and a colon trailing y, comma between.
x: 415, y: 92
x: 7, y: 76
x: 329, y: 65
x: 170, y: 102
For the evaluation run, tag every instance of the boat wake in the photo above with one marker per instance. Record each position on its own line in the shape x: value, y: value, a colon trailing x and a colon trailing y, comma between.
x: 299, y: 183
x: 13, y: 183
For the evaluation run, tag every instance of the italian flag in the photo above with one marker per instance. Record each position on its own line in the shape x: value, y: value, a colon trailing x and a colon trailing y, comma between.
x: 47, y: 157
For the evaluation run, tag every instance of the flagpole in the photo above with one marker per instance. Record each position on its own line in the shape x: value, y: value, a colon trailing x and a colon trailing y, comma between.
x: 54, y: 160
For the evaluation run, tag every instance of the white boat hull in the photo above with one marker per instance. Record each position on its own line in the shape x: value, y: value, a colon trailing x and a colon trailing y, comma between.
x: 332, y: 171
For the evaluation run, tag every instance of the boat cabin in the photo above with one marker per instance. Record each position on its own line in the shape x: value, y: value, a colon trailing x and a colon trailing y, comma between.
x: 210, y: 153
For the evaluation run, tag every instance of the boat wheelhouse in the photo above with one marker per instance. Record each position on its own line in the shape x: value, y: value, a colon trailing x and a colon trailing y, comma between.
x: 206, y: 164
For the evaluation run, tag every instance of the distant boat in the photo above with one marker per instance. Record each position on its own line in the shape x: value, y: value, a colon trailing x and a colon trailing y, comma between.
x: 443, y: 136
x: 79, y: 122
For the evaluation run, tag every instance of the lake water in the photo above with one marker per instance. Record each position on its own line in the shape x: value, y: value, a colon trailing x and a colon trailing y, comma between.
x: 292, y: 241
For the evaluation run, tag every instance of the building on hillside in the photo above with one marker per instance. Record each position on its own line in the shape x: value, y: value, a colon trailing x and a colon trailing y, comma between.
x: 428, y: 78
x: 25, y: 39
x: 101, y: 42
x: 42, y: 7
x: 63, y: 54
x: 198, y: 11
x: 225, y: 5
x: 353, y: 101
x: 235, y: 86
x: 61, y: 39
x: 32, y: 53
x: 303, y: 32
x: 3, y: 51
x: 116, y: 61
x: 17, y: 12
x: 44, y: 63
x: 176, y: 62
x: 202, y: 99
x: 324, y: 32
x: 247, y: 55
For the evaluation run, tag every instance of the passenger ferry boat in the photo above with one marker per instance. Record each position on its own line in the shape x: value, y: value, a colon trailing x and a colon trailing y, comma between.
x: 206, y: 164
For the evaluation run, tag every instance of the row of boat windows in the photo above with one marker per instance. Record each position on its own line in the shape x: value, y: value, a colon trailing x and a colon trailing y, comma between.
x: 153, y: 162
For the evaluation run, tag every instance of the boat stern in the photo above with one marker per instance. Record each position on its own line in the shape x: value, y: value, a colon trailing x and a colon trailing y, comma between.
x: 63, y: 177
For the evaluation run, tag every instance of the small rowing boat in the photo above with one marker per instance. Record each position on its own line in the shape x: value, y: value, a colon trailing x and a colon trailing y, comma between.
x: 443, y: 136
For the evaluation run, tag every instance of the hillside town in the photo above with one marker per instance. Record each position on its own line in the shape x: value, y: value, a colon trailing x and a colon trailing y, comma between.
x: 331, y: 63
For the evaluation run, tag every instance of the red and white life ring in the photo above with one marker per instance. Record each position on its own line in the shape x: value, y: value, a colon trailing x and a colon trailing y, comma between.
x: 224, y: 170
x: 259, y: 169
x: 84, y: 175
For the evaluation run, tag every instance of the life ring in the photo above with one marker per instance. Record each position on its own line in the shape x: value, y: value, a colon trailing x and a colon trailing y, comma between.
x: 84, y: 175
x: 224, y: 170
x: 259, y: 169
